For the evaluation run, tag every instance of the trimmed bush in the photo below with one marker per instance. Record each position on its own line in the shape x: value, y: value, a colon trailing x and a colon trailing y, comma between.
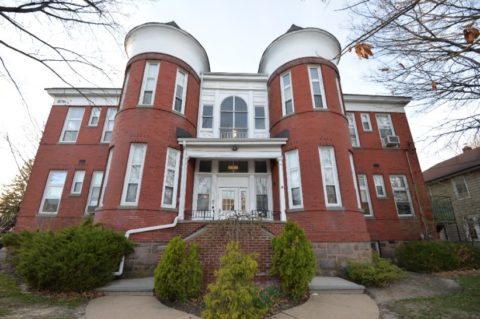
x: 232, y: 295
x: 179, y: 274
x: 76, y: 258
x: 436, y: 256
x: 293, y: 260
x: 381, y: 272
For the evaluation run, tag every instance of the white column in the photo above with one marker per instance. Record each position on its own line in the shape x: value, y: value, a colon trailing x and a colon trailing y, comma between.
x: 183, y: 183
x: 283, y: 215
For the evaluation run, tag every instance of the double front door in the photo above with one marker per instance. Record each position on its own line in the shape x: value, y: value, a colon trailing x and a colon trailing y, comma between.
x: 232, y: 199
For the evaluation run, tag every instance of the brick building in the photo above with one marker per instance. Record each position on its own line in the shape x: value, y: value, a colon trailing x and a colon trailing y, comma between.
x: 180, y: 147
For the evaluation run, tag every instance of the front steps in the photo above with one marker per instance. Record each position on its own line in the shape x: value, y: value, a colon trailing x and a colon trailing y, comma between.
x: 334, y: 285
x: 129, y: 287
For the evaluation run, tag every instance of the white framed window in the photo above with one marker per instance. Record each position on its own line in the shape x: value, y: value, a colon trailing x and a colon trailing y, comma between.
x: 170, y: 182
x: 385, y: 126
x: 261, y: 191
x: 133, y: 175
x: 72, y: 124
x: 207, y: 116
x: 401, y: 194
x: 149, y: 84
x: 53, y: 192
x: 316, y: 87
x: 331, y: 185
x: 365, y: 195
x: 77, y: 182
x: 352, y: 128
x: 460, y: 187
x: 125, y: 85
x: 180, y: 91
x: 337, y: 80
x: 203, y: 193
x: 367, y: 125
x: 379, y: 186
x: 287, y: 93
x: 94, y: 116
x: 472, y: 226
x: 295, y: 197
x: 352, y: 164
x: 105, y: 180
x: 259, y: 118
x: 108, y: 126
x: 94, y: 192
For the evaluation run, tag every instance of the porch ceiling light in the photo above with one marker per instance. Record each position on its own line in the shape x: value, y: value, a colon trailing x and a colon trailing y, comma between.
x: 234, y: 148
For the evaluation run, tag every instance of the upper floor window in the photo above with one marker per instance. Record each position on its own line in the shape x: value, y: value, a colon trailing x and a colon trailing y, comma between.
x: 133, y: 176
x: 287, y: 93
x: 171, y: 178
x: 72, y: 124
x: 53, y: 192
x: 385, y: 126
x: 352, y: 164
x: 233, y: 118
x: 105, y: 180
x: 259, y: 118
x: 379, y: 186
x: 94, y: 116
x: 330, y: 176
x: 77, y: 182
x: 352, y: 127
x: 180, y: 91
x: 124, y: 90
x: 365, y: 195
x: 460, y: 187
x: 294, y: 180
x: 337, y: 80
x: 316, y: 86
x: 94, y: 193
x: 108, y: 126
x: 207, y: 117
x: 401, y: 194
x: 367, y: 125
x: 149, y: 82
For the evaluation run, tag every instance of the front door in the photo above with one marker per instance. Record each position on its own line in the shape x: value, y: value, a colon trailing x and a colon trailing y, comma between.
x: 232, y: 200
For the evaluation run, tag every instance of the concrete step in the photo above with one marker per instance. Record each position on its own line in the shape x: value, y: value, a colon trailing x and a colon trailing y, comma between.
x: 334, y: 285
x: 129, y: 287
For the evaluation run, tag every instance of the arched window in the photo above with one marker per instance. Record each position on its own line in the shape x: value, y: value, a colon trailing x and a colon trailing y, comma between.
x: 233, y: 118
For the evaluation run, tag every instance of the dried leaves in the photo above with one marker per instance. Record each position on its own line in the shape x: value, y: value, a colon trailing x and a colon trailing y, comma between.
x: 470, y: 33
x: 434, y: 86
x: 363, y: 50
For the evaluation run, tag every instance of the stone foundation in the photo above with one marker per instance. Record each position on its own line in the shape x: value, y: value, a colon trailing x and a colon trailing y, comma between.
x: 143, y: 261
x: 332, y: 258
x: 387, y: 247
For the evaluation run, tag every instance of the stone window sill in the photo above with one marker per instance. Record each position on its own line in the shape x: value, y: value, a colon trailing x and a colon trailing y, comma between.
x: 382, y: 198
x: 168, y: 209
x: 321, y: 109
x: 127, y: 207
x: 285, y: 116
x: 144, y: 106
x: 104, y: 143
x: 74, y: 195
x: 45, y: 215
x: 333, y: 208
x: 370, y: 217
x: 179, y: 114
x: 368, y: 131
x: 66, y: 143
x: 407, y: 217
x: 295, y: 210
x: 91, y: 126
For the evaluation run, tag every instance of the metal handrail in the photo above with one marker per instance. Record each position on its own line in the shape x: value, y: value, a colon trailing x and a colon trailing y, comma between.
x: 8, y: 219
x: 199, y: 214
x: 210, y: 214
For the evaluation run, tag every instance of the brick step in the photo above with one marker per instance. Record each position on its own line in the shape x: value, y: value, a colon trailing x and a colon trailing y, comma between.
x: 129, y: 287
x: 334, y: 285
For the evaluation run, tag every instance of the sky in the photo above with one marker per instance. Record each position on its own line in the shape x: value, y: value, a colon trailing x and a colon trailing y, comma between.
x: 234, y: 33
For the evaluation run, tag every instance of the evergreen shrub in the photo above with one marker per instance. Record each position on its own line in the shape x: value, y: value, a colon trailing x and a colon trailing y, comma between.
x: 293, y: 260
x: 231, y: 296
x: 179, y: 274
x: 76, y: 258
x: 436, y: 256
x: 381, y: 272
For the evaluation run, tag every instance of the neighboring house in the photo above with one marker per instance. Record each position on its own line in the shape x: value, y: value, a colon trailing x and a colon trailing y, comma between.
x: 456, y: 183
x: 180, y: 143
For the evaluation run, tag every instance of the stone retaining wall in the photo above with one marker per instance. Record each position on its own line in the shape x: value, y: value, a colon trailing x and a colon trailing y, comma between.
x: 332, y: 257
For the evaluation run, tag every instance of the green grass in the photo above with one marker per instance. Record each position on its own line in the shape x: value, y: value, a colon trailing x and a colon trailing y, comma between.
x: 463, y: 305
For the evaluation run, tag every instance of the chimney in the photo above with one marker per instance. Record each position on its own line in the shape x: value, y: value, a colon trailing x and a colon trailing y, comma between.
x: 466, y: 148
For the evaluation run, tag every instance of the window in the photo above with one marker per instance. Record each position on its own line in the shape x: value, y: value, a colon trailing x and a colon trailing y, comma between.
x: 108, y: 126
x: 53, y: 192
x: 287, y: 94
x: 205, y: 167
x: 375, y: 247
x: 105, y: 180
x: 72, y: 124
x: 352, y: 127
x: 171, y: 179
x: 259, y: 118
x: 233, y: 118
x: 472, y: 227
x: 233, y: 167
x: 261, y: 167
x: 460, y: 187
x: 125, y: 85
x: 294, y: 180
x: 367, y: 126
x: 94, y: 116
x: 207, y: 121
x: 94, y: 193
x: 385, y: 126
x: 401, y: 194
x: 365, y: 195
x: 379, y: 186
x: 330, y: 177
x: 203, y: 193
x: 149, y: 83
x: 133, y: 176
x: 339, y: 93
x: 316, y: 86
x: 77, y: 182
x: 355, y: 180
x: 180, y: 91
x: 261, y: 192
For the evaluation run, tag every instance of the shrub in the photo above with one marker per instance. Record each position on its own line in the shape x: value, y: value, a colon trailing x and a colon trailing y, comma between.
x: 267, y: 297
x: 380, y: 272
x: 293, y: 260
x: 232, y: 295
x: 436, y: 256
x: 76, y: 258
x: 179, y: 274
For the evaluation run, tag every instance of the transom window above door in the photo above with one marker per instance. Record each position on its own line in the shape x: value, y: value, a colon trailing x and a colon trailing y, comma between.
x: 233, y: 166
x: 233, y: 118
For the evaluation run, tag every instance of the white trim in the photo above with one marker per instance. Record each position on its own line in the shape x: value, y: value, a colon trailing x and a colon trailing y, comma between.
x: 78, y: 175
x: 338, y: 194
x: 363, y: 177
x: 384, y: 126
x: 125, y: 86
x: 353, y: 122
x: 175, y: 180
x: 92, y: 112
x: 283, y: 215
x: 67, y: 119
x: 203, y: 117
x: 461, y: 177
x: 282, y: 88
x: 340, y: 99
x: 105, y: 177
x: 289, y: 180
x: 92, y: 185
x: 381, y: 185
x: 107, y: 121
x: 354, y: 176
x: 130, y: 164
x: 184, y: 93
x: 367, y: 115
x: 475, y: 221
x: 144, y: 82
x: 320, y: 82
x: 84, y: 96
x: 406, y: 190
x: 47, y: 186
